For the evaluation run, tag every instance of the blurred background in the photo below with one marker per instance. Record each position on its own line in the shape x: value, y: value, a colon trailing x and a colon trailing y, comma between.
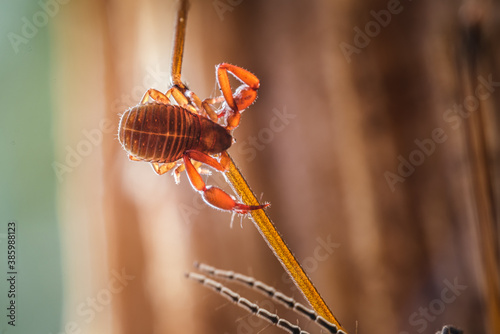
x: 375, y: 138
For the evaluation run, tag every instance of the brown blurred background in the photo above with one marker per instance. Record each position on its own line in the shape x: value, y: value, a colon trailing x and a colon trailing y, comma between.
x: 375, y: 138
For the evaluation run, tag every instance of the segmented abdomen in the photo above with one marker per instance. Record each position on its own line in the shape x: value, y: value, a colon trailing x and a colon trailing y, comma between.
x: 158, y: 132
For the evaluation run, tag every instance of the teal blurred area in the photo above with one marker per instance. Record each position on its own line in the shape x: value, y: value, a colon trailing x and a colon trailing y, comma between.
x: 27, y: 181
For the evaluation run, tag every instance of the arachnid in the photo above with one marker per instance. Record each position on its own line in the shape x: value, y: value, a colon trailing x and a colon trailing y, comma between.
x: 168, y: 135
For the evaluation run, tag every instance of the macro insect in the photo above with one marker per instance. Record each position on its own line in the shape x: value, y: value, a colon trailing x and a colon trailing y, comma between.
x: 169, y: 135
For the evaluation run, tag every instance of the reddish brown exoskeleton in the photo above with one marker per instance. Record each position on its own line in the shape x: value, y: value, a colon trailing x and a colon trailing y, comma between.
x: 168, y: 135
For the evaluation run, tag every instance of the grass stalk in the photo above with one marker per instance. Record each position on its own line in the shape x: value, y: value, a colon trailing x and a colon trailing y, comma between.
x: 240, y: 186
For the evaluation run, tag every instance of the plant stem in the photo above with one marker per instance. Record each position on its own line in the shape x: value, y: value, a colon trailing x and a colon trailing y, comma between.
x: 275, y: 242
x: 240, y: 186
x: 178, y: 47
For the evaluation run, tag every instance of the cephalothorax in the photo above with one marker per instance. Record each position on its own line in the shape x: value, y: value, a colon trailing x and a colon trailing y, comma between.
x: 168, y: 135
